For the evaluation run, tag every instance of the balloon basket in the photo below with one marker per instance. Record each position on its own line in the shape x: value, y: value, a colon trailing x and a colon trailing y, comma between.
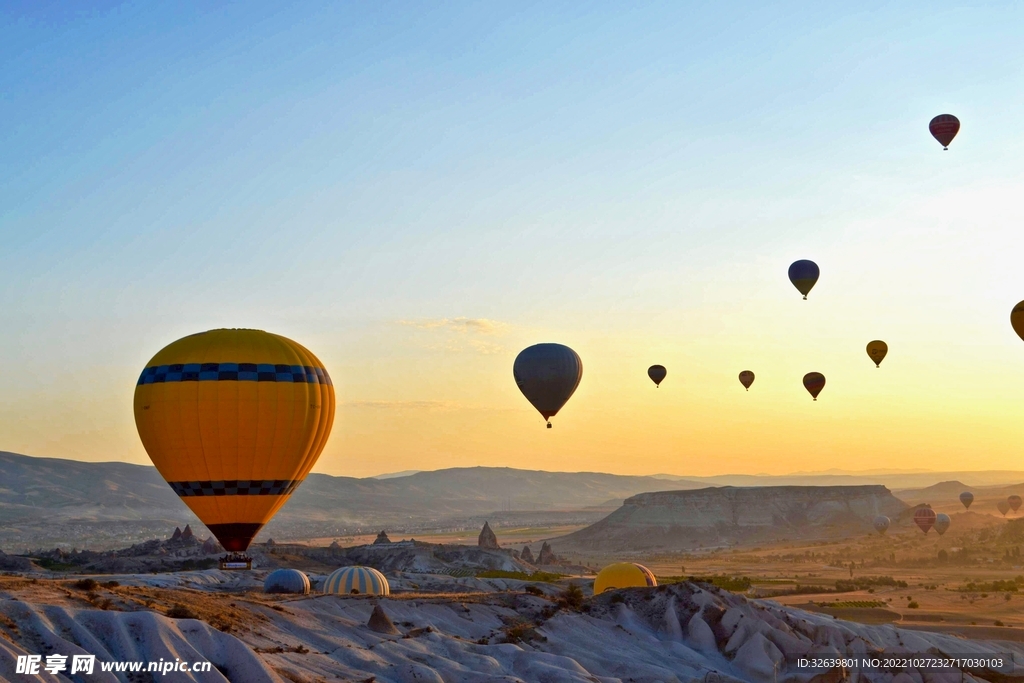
x: 236, y: 562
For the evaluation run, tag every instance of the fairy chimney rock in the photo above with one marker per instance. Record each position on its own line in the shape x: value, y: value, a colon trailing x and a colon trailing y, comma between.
x: 487, y: 538
x: 210, y: 546
x: 527, y: 555
x: 381, y: 622
x: 382, y: 537
x: 546, y: 555
x: 176, y: 536
x: 187, y: 534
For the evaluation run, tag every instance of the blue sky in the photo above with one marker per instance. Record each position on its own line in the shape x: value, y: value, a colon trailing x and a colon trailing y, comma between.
x: 354, y: 175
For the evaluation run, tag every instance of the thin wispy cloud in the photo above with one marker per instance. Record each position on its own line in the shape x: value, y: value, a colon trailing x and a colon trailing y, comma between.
x: 462, y: 325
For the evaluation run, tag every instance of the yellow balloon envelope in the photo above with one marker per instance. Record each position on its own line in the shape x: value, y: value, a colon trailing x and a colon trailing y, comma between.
x: 623, y: 575
x: 1017, y: 319
x: 877, y: 350
x: 234, y: 421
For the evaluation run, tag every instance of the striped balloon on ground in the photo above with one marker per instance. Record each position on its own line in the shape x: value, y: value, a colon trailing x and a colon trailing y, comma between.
x: 356, y: 581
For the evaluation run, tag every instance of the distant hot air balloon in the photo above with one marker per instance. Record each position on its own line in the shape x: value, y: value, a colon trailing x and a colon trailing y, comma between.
x: 547, y: 374
x: 1003, y: 507
x: 234, y: 420
x: 967, y: 498
x: 1017, y: 319
x: 746, y: 379
x: 1014, y: 502
x: 881, y: 524
x: 924, y: 518
x: 877, y: 350
x: 814, y: 382
x: 944, y: 128
x: 657, y: 374
x: 941, y: 523
x: 623, y: 575
x: 804, y: 274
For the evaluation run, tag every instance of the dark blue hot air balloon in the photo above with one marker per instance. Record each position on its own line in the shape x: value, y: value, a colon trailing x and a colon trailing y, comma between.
x: 547, y: 374
x: 803, y: 274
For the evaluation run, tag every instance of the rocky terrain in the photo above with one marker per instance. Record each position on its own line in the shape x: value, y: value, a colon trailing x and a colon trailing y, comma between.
x: 725, y: 516
x: 684, y: 632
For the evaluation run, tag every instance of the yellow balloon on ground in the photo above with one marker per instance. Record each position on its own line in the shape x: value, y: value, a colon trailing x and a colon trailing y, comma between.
x: 356, y: 581
x: 234, y: 421
x: 623, y: 575
x: 1017, y: 319
x: 877, y: 350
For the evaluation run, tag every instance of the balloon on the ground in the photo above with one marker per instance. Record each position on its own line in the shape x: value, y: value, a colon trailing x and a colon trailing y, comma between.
x: 234, y: 421
x: 944, y: 128
x: 1003, y: 507
x: 657, y: 374
x: 924, y: 518
x: 941, y: 523
x: 881, y: 524
x: 746, y: 379
x: 1017, y: 319
x: 547, y: 374
x: 286, y: 581
x: 623, y: 575
x: 356, y: 581
x: 967, y: 498
x: 1014, y: 502
x: 876, y: 351
x: 814, y: 382
x: 804, y: 274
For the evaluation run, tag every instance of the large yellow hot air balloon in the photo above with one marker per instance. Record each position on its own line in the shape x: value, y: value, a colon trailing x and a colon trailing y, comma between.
x: 623, y: 575
x: 234, y: 420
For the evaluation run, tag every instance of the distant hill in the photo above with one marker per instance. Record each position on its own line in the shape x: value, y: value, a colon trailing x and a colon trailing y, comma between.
x: 672, y: 521
x: 48, y: 499
x: 894, y: 480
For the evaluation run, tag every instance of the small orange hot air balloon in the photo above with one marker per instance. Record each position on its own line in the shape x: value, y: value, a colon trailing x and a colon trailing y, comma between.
x: 746, y: 379
x: 234, y: 421
x: 876, y: 351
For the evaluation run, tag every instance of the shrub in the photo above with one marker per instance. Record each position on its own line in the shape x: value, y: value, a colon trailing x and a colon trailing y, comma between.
x: 180, y: 611
x: 534, y: 590
x: 540, y: 577
x: 572, y: 596
x: 998, y: 623
x: 913, y: 604
x: 86, y: 584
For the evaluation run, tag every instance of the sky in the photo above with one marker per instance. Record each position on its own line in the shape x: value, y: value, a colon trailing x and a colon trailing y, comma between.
x: 417, y: 191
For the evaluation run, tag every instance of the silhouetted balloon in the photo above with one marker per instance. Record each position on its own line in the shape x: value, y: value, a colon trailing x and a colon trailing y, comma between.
x: 814, y: 382
x: 941, y: 523
x: 1017, y: 319
x: 547, y: 374
x: 746, y: 379
x: 804, y: 274
x: 944, y: 128
x: 234, y: 421
x: 881, y: 524
x: 967, y: 498
x: 877, y: 350
x: 1003, y: 507
x: 1014, y: 502
x: 657, y: 374
x: 924, y: 518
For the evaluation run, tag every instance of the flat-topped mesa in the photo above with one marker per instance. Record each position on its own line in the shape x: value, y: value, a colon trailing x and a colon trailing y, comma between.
x: 734, y: 515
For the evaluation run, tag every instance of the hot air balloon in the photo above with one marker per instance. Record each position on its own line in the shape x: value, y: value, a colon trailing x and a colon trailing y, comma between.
x: 356, y: 581
x: 746, y: 379
x: 944, y: 128
x: 804, y: 274
x: 941, y: 523
x: 924, y: 518
x: 286, y: 581
x: 1017, y: 319
x: 814, y: 382
x: 623, y: 575
x: 234, y: 420
x: 1003, y: 507
x: 1014, y: 502
x: 657, y: 374
x: 881, y: 524
x: 877, y: 350
x: 967, y: 498
x: 547, y: 374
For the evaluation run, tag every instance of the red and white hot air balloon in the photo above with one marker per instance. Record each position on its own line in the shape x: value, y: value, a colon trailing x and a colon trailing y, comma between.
x: 924, y: 518
x: 944, y: 128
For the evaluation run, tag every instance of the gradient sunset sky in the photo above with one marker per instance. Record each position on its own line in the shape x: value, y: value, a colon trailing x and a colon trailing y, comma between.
x: 416, y: 192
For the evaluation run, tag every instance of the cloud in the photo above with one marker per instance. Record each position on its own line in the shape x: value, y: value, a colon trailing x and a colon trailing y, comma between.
x: 461, y: 325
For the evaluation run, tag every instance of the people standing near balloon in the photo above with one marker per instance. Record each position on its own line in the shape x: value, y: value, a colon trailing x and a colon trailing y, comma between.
x: 814, y: 382
x: 657, y: 373
x: 548, y: 375
x: 876, y: 351
x: 944, y: 128
x: 746, y: 379
x: 234, y: 421
x: 804, y: 275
